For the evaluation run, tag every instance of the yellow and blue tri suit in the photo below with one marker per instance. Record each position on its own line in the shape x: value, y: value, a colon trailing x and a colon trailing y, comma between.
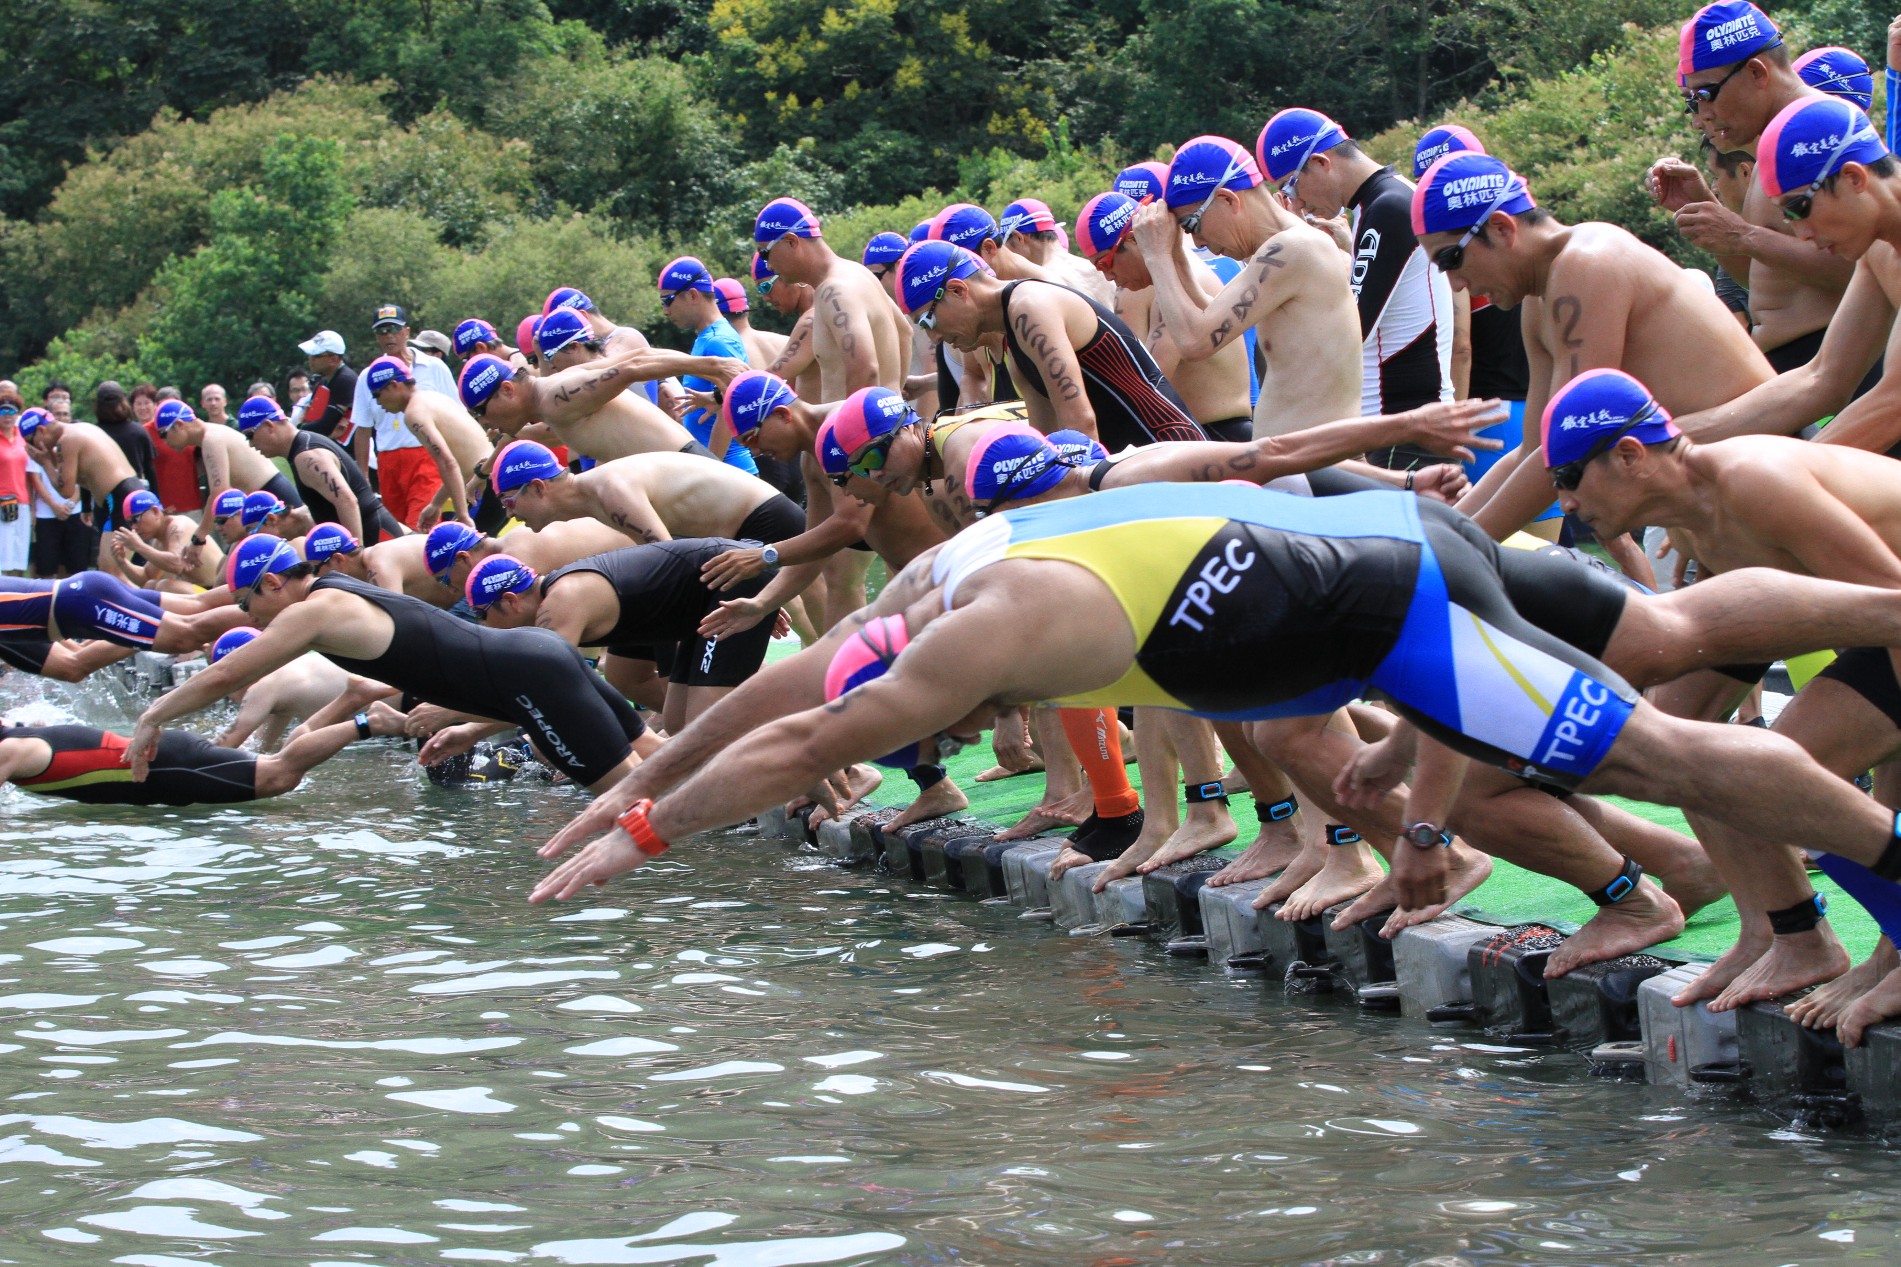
x: 1249, y: 604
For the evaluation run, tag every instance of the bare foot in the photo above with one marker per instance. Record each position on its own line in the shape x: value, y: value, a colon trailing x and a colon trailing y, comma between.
x: 1468, y: 868
x: 1305, y: 866
x: 1347, y: 872
x: 1793, y: 961
x: 941, y: 798
x: 1208, y: 826
x: 1128, y: 862
x: 1823, y: 1007
x: 1732, y: 963
x: 996, y: 772
x: 1068, y: 860
x: 1277, y: 845
x: 1879, y: 1004
x: 859, y: 782
x: 1068, y: 812
x: 1645, y: 917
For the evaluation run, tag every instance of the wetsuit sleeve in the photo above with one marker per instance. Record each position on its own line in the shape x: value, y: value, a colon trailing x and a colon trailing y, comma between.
x: 1893, y: 124
x: 1381, y: 248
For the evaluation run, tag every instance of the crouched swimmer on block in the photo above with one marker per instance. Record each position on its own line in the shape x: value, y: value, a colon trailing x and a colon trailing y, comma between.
x: 1232, y: 603
x: 521, y: 677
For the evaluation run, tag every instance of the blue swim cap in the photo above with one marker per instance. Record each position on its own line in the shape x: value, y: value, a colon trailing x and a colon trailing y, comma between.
x: 1103, y: 222
x: 495, y: 576
x: 924, y: 268
x: 32, y: 420
x: 385, y: 370
x: 257, y: 411
x: 868, y: 414
x: 920, y: 232
x: 260, y: 506
x: 963, y: 224
x: 884, y: 248
x: 560, y: 328
x: 227, y: 504
x: 230, y: 640
x: 1078, y: 449
x: 782, y: 216
x: 760, y: 269
x: 866, y: 656
x: 136, y: 503
x: 445, y: 541
x: 1722, y: 35
x: 831, y: 455
x: 481, y: 378
x: 566, y: 297
x: 1447, y: 138
x: 1205, y: 164
x: 1142, y: 181
x: 326, y: 540
x: 1587, y: 413
x: 470, y: 333
x: 258, y: 557
x: 1810, y: 140
x: 1839, y: 72
x: 1292, y: 137
x: 1009, y: 463
x: 686, y: 273
x: 1464, y: 189
x: 171, y: 413
x: 522, y: 462
x: 752, y: 398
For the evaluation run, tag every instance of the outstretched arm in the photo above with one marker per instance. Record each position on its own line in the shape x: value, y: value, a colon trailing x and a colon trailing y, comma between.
x: 1444, y: 427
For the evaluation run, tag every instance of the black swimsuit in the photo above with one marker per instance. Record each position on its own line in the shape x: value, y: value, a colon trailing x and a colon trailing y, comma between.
x: 90, y: 765
x: 1132, y: 399
x: 662, y: 599
x: 378, y: 523
x: 530, y: 677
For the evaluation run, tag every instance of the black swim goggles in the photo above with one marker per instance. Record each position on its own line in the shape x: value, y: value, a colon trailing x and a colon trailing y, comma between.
x: 1448, y: 258
x: 1566, y: 478
x: 1802, y: 205
x: 1696, y: 98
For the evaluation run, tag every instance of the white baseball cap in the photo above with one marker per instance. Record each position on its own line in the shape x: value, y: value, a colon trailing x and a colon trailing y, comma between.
x: 322, y: 341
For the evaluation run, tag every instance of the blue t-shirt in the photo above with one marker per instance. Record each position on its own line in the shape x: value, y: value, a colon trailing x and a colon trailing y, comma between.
x: 718, y: 339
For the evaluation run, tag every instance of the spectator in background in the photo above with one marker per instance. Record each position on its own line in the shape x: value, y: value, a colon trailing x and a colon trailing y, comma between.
x: 406, y: 475
x: 176, y: 470
x: 296, y: 387
x: 332, y: 388
x: 16, y: 495
x: 144, y: 403
x: 211, y: 405
x: 437, y: 343
x: 260, y: 388
x: 57, y: 399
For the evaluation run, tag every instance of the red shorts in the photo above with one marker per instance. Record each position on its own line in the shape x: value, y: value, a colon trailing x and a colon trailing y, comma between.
x: 409, y: 482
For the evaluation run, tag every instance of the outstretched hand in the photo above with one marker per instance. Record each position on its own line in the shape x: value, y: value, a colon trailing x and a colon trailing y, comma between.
x: 140, y: 749
x: 1451, y: 427
x: 604, y: 858
x: 734, y: 616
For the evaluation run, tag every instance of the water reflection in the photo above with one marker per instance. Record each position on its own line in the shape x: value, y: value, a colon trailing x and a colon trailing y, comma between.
x: 331, y: 1031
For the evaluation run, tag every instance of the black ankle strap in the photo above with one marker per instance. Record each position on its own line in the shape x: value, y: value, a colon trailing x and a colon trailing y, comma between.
x: 1341, y: 834
x: 1197, y: 793
x: 1801, y: 917
x: 1621, y: 887
x: 1888, y: 866
x: 1277, y: 811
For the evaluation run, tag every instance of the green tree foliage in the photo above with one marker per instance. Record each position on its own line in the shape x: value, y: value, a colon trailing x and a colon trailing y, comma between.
x: 476, y: 151
x: 244, y: 295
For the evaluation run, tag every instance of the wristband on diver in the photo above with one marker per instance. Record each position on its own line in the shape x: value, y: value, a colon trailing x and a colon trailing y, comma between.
x: 633, y: 821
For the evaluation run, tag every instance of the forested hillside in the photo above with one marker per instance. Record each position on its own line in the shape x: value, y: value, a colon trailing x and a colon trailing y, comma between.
x: 189, y: 186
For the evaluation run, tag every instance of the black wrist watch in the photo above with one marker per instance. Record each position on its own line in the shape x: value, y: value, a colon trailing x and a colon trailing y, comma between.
x: 199, y: 541
x: 1426, y: 835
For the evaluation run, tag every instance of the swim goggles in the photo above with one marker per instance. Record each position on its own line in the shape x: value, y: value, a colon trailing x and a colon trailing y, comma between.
x: 1571, y: 474
x: 1449, y: 258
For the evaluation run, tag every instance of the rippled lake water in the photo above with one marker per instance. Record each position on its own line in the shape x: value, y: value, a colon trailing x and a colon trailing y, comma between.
x: 328, y: 1029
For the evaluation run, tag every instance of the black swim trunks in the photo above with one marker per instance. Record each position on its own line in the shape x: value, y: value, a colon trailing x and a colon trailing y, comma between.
x: 774, y: 519
x: 1869, y: 672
